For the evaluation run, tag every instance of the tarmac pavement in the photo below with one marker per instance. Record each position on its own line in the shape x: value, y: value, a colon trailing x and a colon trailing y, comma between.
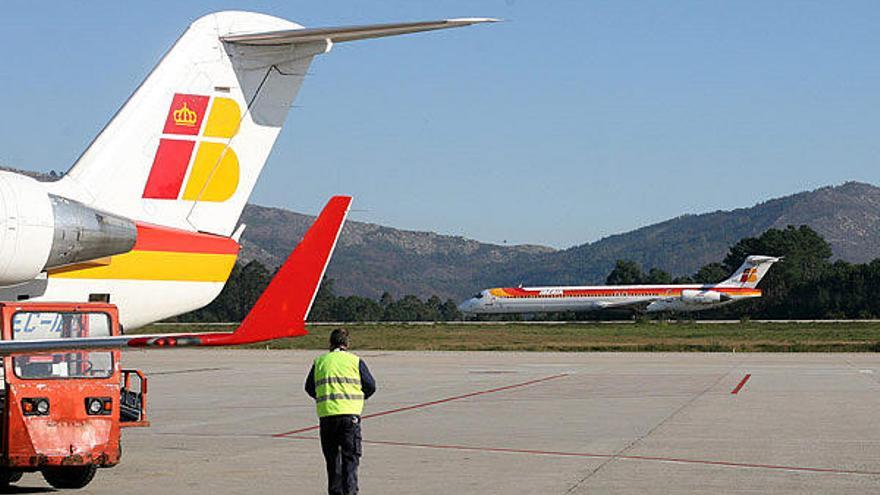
x: 237, y: 421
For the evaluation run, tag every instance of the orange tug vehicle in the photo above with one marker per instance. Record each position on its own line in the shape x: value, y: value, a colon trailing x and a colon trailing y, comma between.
x: 63, y: 411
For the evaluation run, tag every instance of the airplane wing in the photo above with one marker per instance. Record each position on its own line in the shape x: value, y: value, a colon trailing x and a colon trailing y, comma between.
x: 639, y: 306
x: 347, y: 33
x: 279, y: 312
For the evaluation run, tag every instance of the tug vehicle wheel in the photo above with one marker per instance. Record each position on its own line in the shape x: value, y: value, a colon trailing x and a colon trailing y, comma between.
x: 69, y: 476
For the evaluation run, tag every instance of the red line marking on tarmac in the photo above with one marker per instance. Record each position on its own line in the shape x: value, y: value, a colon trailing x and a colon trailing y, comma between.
x: 646, y: 458
x: 741, y: 384
x: 436, y: 402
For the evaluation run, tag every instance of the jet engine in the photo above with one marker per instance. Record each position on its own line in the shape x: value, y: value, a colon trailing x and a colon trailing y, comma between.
x: 39, y: 231
x: 692, y: 296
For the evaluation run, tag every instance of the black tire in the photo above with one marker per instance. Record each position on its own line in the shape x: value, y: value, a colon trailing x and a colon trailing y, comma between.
x: 69, y: 476
x: 9, y: 477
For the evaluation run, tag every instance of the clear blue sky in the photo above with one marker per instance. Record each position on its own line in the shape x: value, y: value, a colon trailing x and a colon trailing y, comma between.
x: 572, y: 121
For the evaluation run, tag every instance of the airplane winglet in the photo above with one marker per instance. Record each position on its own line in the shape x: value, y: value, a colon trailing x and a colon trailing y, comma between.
x: 282, y: 309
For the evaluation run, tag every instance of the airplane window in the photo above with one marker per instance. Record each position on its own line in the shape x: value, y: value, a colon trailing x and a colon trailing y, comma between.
x: 478, y: 296
x: 55, y: 325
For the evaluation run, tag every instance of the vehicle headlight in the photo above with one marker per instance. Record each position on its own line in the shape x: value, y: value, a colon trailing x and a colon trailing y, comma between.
x: 99, y: 406
x: 38, y: 406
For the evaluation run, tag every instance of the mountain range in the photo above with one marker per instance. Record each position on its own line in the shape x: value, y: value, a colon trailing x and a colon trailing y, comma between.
x: 371, y: 259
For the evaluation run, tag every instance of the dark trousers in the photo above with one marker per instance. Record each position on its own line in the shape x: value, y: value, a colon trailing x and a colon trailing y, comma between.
x: 341, y: 444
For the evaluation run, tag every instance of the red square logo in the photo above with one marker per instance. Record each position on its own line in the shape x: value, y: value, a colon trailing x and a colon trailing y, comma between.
x: 186, y: 114
x: 169, y: 168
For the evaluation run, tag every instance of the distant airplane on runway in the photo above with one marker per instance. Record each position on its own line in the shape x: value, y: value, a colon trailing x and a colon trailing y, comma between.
x: 651, y: 298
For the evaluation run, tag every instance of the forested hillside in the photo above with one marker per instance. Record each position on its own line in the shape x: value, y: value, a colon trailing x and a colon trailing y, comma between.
x: 372, y: 259
x: 807, y: 284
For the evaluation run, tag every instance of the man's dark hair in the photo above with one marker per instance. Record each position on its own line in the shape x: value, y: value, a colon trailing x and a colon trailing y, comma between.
x: 339, y: 339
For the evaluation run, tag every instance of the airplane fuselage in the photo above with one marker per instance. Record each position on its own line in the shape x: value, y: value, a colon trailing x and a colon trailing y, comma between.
x: 651, y: 298
x: 167, y: 272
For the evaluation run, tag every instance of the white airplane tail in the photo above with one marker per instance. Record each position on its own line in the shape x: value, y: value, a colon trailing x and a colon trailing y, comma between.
x: 751, y: 272
x: 187, y: 147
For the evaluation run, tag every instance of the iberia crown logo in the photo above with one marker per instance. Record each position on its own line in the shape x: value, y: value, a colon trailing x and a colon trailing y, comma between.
x: 185, y: 117
x: 196, y: 149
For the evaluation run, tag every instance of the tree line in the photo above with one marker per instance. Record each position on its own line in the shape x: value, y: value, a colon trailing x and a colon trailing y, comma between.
x: 807, y: 284
x: 248, y: 281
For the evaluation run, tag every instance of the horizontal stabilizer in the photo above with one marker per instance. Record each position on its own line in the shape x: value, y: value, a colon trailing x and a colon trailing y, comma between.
x: 348, y: 33
x: 280, y: 311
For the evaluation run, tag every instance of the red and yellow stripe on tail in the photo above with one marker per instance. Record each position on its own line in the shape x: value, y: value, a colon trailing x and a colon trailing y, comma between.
x: 163, y: 253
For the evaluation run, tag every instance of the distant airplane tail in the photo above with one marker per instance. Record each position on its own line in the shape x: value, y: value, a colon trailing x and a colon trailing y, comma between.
x: 751, y: 272
x: 187, y: 147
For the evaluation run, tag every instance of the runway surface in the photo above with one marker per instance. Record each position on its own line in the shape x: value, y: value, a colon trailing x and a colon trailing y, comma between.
x: 236, y: 421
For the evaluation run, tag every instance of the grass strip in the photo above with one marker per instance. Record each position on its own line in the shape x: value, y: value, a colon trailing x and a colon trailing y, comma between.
x: 586, y: 337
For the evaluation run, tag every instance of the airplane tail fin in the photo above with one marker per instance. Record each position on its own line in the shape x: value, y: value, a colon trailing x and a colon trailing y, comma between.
x: 282, y: 309
x: 751, y: 272
x: 187, y: 147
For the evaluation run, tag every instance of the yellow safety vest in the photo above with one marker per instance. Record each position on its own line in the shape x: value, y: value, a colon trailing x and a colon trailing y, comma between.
x: 338, y: 384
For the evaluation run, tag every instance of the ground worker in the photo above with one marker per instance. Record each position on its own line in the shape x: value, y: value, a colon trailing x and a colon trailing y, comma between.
x: 340, y: 382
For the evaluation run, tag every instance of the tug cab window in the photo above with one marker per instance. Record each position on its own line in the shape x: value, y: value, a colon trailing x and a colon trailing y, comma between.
x: 58, y: 325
